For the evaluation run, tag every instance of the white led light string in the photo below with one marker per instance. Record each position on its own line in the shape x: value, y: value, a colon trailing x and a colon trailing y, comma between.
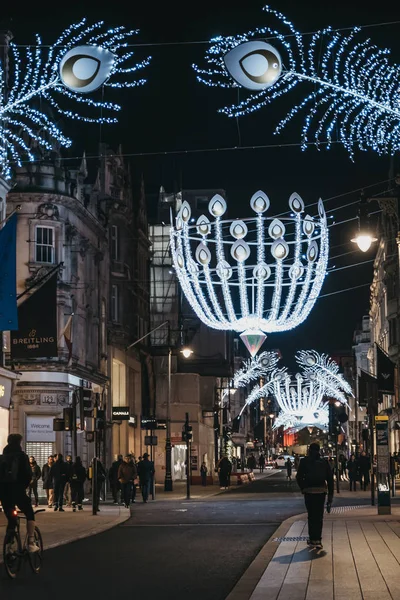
x: 284, y: 271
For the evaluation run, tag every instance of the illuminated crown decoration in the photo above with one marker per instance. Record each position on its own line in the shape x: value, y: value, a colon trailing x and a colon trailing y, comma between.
x: 352, y: 88
x: 302, y: 399
x: 255, y: 276
x: 83, y: 59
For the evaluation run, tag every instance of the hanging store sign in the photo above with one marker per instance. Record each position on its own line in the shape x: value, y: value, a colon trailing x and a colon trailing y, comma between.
x: 37, y: 320
x: 5, y: 392
x: 120, y: 413
x: 40, y: 429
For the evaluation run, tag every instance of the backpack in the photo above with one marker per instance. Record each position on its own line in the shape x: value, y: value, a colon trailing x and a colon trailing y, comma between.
x: 9, y: 468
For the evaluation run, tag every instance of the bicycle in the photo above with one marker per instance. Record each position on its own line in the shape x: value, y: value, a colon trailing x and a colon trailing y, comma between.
x: 14, y: 552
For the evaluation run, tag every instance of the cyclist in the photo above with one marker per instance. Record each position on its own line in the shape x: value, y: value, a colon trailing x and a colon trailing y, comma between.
x: 14, y: 480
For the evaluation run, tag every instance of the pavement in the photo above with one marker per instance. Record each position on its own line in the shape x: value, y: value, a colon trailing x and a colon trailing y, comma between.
x: 63, y: 528
x: 360, y: 559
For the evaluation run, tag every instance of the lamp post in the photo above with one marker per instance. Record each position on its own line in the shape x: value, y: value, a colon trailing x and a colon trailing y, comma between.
x: 168, y: 449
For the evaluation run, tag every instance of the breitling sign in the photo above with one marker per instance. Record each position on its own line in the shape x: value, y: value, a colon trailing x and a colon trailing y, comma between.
x: 37, y: 319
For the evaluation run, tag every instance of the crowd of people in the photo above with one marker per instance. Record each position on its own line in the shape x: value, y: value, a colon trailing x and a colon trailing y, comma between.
x: 63, y: 480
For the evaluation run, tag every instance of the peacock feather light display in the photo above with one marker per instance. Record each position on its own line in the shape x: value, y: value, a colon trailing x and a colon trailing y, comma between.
x: 253, y: 369
x: 46, y: 83
x: 256, y: 275
x: 302, y: 398
x: 342, y: 85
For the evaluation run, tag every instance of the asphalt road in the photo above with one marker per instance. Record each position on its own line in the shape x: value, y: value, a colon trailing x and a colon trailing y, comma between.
x: 183, y: 550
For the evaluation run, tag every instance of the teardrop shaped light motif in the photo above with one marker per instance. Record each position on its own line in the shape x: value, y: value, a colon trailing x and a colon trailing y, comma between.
x: 203, y: 255
x: 277, y: 229
x: 217, y: 205
x: 224, y: 270
x: 240, y: 251
x: 312, y: 252
x: 296, y: 271
x: 203, y: 225
x: 261, y: 271
x: 280, y: 249
x: 238, y: 230
x: 186, y: 211
x: 308, y: 225
x: 321, y: 210
x: 178, y: 223
x: 296, y: 203
x: 265, y: 361
x: 192, y: 268
x: 179, y: 260
x: 259, y: 202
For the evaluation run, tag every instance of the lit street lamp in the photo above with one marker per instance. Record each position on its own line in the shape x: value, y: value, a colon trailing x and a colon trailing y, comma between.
x: 363, y: 237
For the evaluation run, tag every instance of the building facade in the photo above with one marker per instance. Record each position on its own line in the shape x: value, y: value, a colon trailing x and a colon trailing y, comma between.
x: 59, y: 230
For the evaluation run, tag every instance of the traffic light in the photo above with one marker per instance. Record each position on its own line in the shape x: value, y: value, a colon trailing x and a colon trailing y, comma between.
x: 333, y: 420
x: 187, y: 430
x: 68, y: 415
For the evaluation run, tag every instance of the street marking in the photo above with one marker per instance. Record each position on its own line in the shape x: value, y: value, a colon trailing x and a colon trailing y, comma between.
x: 201, y: 524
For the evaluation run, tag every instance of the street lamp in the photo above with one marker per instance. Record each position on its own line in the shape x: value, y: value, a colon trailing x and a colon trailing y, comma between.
x: 187, y: 352
x: 363, y: 237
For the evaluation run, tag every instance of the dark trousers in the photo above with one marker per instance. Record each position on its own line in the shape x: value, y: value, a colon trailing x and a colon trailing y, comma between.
x: 33, y: 488
x: 145, y: 485
x: 126, y: 491
x: 353, y: 482
x: 364, y: 479
x: 115, y: 488
x: 315, y: 508
x: 59, y: 493
x: 77, y: 493
x: 203, y: 478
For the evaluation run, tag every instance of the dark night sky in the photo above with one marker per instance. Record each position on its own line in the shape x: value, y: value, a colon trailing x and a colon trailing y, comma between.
x: 174, y: 112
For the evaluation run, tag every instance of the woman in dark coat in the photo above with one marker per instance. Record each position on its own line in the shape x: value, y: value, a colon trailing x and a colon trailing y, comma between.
x: 48, y: 481
x: 77, y: 479
x: 288, y: 465
x: 352, y: 469
x: 224, y: 472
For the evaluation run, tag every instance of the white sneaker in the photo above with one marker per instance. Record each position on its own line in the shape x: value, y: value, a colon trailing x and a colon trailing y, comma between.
x: 32, y: 547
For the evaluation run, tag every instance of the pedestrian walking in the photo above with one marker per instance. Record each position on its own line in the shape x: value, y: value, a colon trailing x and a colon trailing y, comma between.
x: 261, y: 462
x: 58, y: 474
x: 364, y: 467
x: 224, y: 469
x: 251, y: 463
x: 145, y: 471
x: 77, y: 479
x: 342, y: 466
x: 48, y: 481
x: 315, y: 479
x: 36, y: 475
x: 203, y: 474
x: 67, y: 488
x: 288, y: 465
x: 353, y: 472
x: 127, y: 473
x: 133, y: 488
x: 113, y: 479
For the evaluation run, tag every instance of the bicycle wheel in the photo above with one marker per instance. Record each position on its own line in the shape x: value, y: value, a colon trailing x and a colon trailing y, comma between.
x: 12, y: 554
x: 36, y: 558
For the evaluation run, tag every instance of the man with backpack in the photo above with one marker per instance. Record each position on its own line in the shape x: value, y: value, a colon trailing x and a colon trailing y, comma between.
x: 315, y: 479
x: 15, y: 476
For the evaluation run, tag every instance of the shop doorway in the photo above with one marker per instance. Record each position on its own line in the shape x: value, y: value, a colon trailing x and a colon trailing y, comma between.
x: 41, y: 451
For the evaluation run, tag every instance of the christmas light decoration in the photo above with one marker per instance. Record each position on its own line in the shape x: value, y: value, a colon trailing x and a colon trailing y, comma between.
x: 354, y: 90
x: 256, y: 275
x: 252, y: 369
x: 302, y: 398
x: 81, y: 60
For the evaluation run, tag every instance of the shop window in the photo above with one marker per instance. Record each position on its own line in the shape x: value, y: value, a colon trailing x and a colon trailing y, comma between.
x: 44, y: 244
